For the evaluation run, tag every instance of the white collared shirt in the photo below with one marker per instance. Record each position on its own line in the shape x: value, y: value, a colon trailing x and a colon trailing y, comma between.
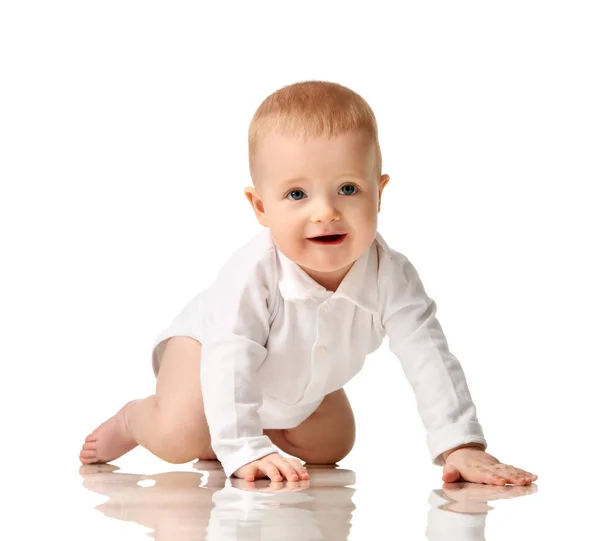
x: 275, y: 342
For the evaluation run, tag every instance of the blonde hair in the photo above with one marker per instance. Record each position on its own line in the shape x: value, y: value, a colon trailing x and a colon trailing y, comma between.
x: 312, y: 109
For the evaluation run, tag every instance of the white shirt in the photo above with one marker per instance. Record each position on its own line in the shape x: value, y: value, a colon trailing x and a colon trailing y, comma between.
x: 275, y: 342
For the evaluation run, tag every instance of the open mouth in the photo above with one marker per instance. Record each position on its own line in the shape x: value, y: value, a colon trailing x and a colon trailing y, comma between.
x: 329, y: 239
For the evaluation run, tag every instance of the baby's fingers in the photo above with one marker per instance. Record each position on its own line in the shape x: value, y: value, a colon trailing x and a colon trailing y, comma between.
x: 514, y: 475
x: 478, y: 474
x: 491, y: 478
x: 287, y: 469
x: 499, y: 474
x: 247, y: 473
x: 300, y: 469
x: 272, y: 471
x: 250, y: 472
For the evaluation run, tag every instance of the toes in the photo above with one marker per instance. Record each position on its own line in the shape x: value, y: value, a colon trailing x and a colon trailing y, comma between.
x: 91, y: 437
x: 89, y: 446
x: 87, y: 454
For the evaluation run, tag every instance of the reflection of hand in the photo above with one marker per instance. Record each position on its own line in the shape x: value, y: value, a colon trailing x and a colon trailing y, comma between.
x: 473, y: 497
x: 485, y: 493
x: 477, y: 466
x: 273, y: 466
x: 317, y: 509
x: 273, y: 486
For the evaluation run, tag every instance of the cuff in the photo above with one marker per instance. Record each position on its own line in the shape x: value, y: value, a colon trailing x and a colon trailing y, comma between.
x: 451, y: 436
x: 235, y: 453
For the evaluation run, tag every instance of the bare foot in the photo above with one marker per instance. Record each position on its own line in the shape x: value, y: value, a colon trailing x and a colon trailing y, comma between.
x: 109, y: 441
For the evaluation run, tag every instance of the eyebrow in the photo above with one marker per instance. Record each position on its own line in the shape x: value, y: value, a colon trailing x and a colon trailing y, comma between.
x: 292, y: 181
x: 300, y: 179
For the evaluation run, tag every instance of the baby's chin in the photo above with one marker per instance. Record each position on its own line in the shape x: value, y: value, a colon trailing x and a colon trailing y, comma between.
x: 326, y: 265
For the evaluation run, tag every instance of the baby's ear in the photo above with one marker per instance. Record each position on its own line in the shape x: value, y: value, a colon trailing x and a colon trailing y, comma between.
x: 257, y: 205
x: 382, y: 183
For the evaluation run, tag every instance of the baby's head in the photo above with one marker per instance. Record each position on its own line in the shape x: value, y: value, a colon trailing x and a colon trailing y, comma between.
x: 315, y: 163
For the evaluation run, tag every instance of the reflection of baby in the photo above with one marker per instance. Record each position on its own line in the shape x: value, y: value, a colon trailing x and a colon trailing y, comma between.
x: 206, y: 505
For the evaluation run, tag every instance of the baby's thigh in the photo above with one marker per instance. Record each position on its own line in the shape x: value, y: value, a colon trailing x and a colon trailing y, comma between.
x: 178, y: 391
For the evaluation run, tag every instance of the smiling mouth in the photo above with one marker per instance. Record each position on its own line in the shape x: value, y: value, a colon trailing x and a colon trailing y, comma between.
x: 329, y: 239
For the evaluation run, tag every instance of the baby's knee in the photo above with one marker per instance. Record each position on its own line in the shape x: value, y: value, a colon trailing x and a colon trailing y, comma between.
x: 326, y: 454
x: 181, y: 446
x: 182, y: 439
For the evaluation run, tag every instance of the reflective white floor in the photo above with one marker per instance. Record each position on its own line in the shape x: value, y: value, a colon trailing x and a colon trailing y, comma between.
x: 201, y: 503
x: 196, y: 502
x: 385, y: 496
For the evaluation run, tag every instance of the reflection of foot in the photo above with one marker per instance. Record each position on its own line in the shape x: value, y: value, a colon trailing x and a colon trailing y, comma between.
x: 174, y: 505
x: 109, y: 441
x: 89, y: 469
x: 104, y: 479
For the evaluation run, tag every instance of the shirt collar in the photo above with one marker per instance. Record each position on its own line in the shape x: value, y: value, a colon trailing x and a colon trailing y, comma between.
x: 359, y: 286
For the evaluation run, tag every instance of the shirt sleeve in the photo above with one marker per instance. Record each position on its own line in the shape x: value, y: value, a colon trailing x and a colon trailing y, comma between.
x: 234, y: 318
x: 415, y: 336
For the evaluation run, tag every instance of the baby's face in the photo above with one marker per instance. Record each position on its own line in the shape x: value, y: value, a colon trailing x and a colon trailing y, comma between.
x: 318, y: 187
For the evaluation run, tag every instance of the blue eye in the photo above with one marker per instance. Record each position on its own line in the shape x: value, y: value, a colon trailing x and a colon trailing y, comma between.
x: 295, y: 191
x: 349, y: 186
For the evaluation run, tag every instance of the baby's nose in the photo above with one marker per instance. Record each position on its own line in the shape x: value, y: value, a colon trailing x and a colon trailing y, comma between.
x: 325, y: 211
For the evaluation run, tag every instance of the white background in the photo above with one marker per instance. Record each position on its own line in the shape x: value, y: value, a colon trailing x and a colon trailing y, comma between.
x: 123, y: 159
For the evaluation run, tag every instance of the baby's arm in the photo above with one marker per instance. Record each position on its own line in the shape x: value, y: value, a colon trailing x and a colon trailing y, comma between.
x: 438, y: 381
x: 454, y: 435
x: 236, y: 327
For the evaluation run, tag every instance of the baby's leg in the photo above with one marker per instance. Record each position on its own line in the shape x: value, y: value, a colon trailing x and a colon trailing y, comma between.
x: 170, y: 424
x: 326, y: 437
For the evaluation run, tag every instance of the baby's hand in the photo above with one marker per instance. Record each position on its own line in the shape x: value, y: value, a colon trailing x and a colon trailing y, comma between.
x: 477, y: 466
x: 273, y: 466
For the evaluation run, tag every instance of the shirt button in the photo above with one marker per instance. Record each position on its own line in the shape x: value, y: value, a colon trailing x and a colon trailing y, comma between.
x: 321, y: 350
x: 326, y: 307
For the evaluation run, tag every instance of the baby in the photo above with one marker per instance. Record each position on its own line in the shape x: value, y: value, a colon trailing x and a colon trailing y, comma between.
x: 256, y: 363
